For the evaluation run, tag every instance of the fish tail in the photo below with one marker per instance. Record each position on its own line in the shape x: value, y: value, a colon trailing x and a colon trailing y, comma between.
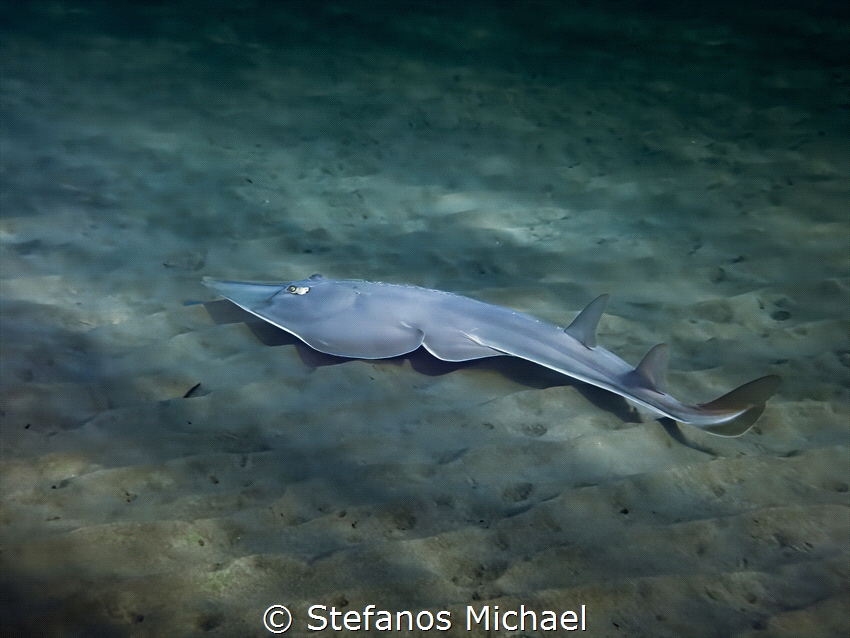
x: 750, y: 398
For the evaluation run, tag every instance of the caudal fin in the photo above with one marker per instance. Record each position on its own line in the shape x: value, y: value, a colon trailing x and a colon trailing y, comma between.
x: 750, y: 398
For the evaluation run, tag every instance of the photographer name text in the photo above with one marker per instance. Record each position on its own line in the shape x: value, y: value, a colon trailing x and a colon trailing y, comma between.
x: 278, y: 619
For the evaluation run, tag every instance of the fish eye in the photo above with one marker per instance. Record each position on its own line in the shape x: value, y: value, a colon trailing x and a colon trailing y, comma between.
x: 298, y: 290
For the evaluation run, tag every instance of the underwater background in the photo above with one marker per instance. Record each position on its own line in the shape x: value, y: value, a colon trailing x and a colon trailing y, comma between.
x: 164, y: 473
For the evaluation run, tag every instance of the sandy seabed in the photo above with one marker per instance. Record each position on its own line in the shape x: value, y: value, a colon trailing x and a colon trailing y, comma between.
x: 695, y: 168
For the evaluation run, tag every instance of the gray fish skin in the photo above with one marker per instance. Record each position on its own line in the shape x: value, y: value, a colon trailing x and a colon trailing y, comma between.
x: 373, y: 320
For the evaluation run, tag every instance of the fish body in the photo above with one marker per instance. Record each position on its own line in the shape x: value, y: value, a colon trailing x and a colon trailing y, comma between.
x: 374, y: 320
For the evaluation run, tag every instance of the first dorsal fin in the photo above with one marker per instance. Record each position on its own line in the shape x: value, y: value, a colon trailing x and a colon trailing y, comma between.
x: 653, y: 367
x: 583, y: 327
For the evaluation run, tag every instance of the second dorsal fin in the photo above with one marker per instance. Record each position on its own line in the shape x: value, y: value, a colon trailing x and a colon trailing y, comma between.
x: 653, y: 368
x: 583, y: 327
